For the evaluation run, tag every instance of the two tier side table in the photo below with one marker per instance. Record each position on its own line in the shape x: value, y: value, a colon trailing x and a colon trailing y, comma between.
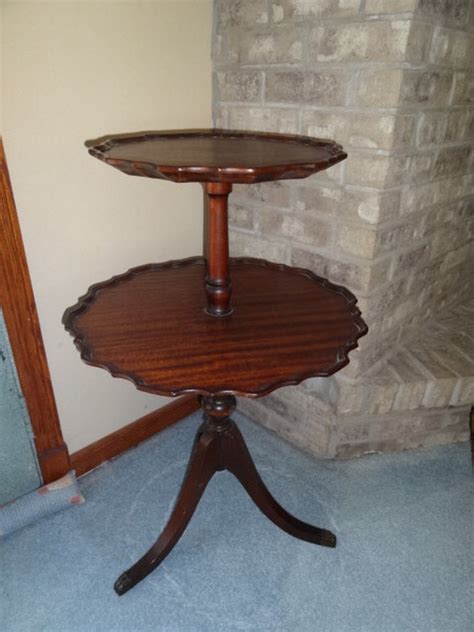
x: 214, y: 325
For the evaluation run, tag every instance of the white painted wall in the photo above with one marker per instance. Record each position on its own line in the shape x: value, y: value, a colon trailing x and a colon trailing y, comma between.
x: 75, y: 70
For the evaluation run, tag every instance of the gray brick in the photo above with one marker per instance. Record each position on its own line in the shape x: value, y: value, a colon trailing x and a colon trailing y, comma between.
x: 381, y: 87
x: 418, y: 45
x: 220, y: 116
x: 352, y: 396
x: 418, y: 197
x: 438, y: 428
x: 324, y: 199
x: 352, y: 430
x: 325, y: 389
x: 452, y: 357
x: 452, y: 161
x: 359, y: 129
x: 301, y: 227
x: 241, y: 216
x: 264, y: 119
x: 239, y: 85
x: 422, y: 166
x: 403, y: 131
x: 438, y: 393
x: 469, y: 125
x: 409, y: 396
x: 380, y: 40
x: 246, y: 245
x: 451, y: 48
x: 376, y: 170
x: 312, y: 434
x: 302, y: 10
x: 390, y: 6
x: 426, y: 87
x: 381, y: 397
x: 254, y: 46
x: 241, y: 12
x: 284, y: 45
x: 456, y: 126
x: 329, y: 176
x: 464, y: 394
x: 454, y: 12
x: 405, y: 261
x: 431, y: 128
x: 432, y: 365
x: 316, y: 88
x: 387, y: 428
x: 265, y: 193
x: 326, y: 124
x: 367, y: 169
x: 463, y: 92
x: 399, y: 170
x: 357, y: 240
x: 305, y: 401
x: 354, y: 275
x: 457, y: 257
x: 374, y: 207
x: 391, y: 222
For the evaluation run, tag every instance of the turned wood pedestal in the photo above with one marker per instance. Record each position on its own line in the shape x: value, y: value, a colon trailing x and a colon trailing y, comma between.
x: 216, y: 326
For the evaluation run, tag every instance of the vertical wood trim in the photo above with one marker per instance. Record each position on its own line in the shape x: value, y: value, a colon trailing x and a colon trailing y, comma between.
x: 21, y: 318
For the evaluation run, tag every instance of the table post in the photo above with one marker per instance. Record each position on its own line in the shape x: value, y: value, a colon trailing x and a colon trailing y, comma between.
x: 218, y: 284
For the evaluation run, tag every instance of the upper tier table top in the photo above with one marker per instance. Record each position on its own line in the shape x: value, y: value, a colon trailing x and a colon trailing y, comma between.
x: 149, y: 325
x: 216, y: 155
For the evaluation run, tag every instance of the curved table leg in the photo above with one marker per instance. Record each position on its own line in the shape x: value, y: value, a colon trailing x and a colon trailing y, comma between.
x: 202, y: 465
x: 237, y: 460
x: 219, y: 445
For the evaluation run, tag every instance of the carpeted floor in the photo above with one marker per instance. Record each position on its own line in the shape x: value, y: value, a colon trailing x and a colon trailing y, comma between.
x: 404, y: 558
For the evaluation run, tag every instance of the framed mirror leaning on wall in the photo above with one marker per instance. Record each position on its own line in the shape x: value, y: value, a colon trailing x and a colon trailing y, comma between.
x: 32, y: 448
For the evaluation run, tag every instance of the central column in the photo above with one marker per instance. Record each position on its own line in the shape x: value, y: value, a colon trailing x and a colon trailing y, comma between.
x: 218, y: 284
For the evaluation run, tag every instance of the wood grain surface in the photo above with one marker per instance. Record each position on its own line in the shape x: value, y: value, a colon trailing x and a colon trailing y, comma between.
x: 150, y: 326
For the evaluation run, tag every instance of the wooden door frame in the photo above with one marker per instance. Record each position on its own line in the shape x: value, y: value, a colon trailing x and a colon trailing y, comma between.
x: 21, y: 318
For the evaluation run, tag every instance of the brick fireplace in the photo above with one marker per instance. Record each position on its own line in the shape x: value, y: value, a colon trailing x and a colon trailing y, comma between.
x: 391, y: 80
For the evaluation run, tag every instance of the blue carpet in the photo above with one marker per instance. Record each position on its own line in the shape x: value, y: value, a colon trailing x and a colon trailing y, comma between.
x: 403, y: 561
x: 45, y: 500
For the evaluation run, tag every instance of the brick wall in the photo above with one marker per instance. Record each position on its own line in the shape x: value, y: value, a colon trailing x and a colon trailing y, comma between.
x: 391, y: 80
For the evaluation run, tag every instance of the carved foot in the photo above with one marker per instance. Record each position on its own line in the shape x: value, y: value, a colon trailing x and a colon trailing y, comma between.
x: 123, y: 584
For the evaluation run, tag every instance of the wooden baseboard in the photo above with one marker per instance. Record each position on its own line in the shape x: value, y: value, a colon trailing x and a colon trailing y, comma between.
x: 117, y: 442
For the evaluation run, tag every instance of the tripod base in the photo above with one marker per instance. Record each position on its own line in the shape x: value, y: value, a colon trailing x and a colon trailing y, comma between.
x: 218, y: 446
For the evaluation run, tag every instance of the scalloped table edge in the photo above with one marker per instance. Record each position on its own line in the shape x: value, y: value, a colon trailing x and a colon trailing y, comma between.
x: 86, y: 353
x: 238, y: 175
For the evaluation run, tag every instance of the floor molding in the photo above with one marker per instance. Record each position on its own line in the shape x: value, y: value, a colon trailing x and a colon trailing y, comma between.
x: 134, y: 433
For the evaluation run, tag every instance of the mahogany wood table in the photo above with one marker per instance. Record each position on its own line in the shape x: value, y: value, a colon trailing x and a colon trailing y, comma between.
x: 216, y: 326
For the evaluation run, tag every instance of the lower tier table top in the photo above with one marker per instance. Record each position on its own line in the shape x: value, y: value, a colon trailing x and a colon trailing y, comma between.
x: 149, y: 325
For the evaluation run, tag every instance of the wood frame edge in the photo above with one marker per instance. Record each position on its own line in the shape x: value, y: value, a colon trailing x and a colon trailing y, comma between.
x: 24, y: 332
